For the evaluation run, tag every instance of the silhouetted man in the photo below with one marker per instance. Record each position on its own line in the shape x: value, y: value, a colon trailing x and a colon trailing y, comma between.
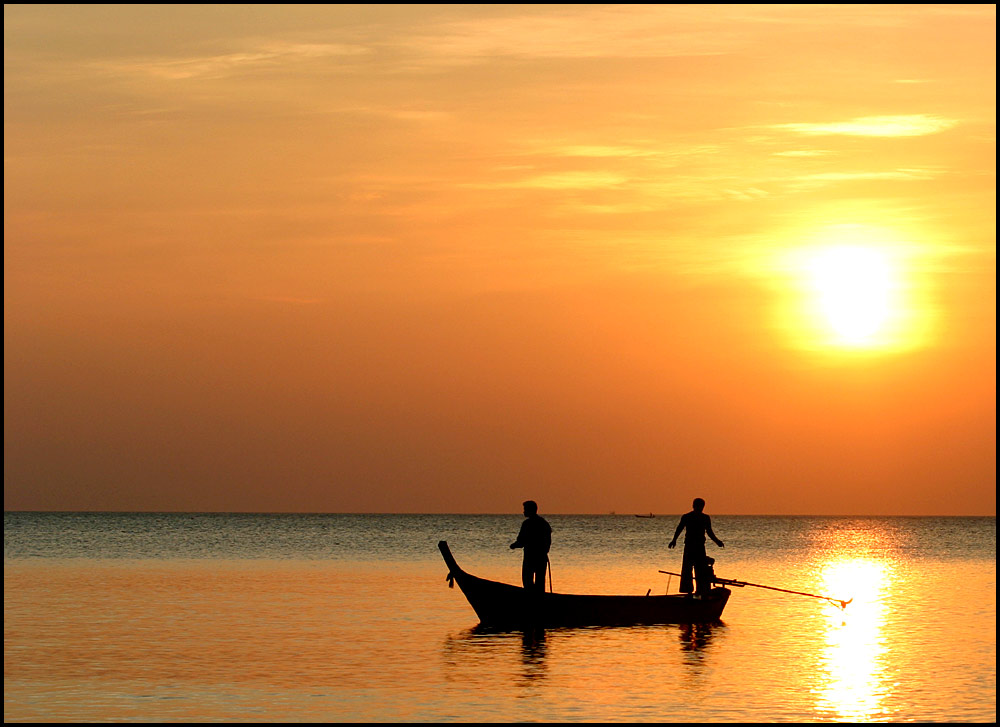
x: 535, y: 537
x: 697, y: 524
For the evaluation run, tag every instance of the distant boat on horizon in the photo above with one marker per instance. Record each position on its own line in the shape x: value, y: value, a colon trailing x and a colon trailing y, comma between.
x: 649, y: 515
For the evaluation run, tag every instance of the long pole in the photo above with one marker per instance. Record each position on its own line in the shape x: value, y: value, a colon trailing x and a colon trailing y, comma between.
x: 740, y: 584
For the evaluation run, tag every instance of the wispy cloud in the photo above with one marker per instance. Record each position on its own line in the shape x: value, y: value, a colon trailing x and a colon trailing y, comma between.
x: 749, y: 193
x: 894, y: 175
x: 559, y: 180
x: 912, y: 125
x: 802, y: 153
x: 626, y: 32
x: 635, y: 31
x: 399, y: 113
x: 227, y: 64
x: 602, y: 151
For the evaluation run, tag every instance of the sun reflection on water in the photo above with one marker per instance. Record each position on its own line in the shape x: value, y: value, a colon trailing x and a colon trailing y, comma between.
x: 855, y: 682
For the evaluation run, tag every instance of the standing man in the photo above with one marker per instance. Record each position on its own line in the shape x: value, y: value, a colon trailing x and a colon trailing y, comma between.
x: 535, y: 537
x: 697, y: 524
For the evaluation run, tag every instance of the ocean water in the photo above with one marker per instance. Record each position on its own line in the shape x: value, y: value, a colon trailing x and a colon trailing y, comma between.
x: 349, y: 618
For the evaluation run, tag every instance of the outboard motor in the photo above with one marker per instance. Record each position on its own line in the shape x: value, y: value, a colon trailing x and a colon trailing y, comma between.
x: 704, y: 575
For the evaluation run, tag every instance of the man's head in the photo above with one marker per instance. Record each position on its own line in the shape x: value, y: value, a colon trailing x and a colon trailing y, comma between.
x: 530, y: 507
x: 698, y: 504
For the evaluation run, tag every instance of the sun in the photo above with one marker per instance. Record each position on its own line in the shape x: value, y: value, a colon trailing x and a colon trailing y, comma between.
x: 854, y: 291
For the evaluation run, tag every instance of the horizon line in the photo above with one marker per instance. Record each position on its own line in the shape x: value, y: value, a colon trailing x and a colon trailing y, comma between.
x: 471, y: 514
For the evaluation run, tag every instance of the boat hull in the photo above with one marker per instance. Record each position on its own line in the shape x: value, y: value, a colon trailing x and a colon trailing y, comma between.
x: 501, y: 605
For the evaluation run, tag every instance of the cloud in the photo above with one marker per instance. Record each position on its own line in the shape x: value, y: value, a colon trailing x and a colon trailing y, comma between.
x: 624, y: 32
x: 912, y: 125
x: 802, y: 153
x: 602, y: 151
x: 560, y: 180
x: 640, y: 31
x: 750, y: 193
x: 896, y: 175
x: 227, y: 64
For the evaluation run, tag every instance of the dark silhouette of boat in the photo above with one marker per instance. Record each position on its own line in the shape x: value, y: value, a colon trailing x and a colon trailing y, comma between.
x: 501, y: 605
x: 649, y: 515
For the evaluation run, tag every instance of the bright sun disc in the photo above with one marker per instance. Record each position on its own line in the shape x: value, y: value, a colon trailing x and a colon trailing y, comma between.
x: 854, y: 289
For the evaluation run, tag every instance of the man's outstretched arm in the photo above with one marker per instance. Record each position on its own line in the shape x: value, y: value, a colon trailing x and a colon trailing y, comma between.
x: 677, y: 533
x: 712, y: 535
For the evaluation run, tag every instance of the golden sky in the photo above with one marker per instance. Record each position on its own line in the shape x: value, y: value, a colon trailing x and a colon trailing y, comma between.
x: 446, y: 258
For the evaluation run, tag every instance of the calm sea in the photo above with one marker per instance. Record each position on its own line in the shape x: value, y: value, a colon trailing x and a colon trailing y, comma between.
x: 341, y: 618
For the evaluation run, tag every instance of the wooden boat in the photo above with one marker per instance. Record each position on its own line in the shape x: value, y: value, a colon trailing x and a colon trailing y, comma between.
x: 501, y: 605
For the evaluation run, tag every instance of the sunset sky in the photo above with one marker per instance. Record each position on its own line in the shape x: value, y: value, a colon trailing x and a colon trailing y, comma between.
x: 447, y: 258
